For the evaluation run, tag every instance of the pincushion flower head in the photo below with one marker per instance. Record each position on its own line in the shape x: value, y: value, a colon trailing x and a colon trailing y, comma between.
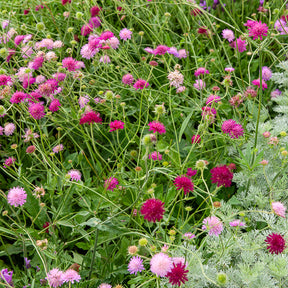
x: 236, y: 223
x: 153, y: 210
x: 16, y: 196
x: 58, y: 148
x: 111, y: 183
x: 221, y: 175
x: 232, y: 128
x: 161, y: 50
x: 228, y: 34
x: 55, y: 278
x: 155, y: 156
x: 201, y: 71
x: 196, y: 139
x: 275, y: 243
x: 156, y: 126
x: 36, y: 111
x: 185, y: 183
x: 70, y: 63
x: 127, y: 79
x: 135, y: 265
x: 75, y: 175
x: 161, y: 264
x: 257, y: 30
x: 212, y: 99
x: 266, y: 73
x: 279, y: 209
x: 125, y: 34
x: 239, y: 45
x: 256, y: 82
x: 90, y: 117
x: 140, y: 84
x: 71, y: 275
x: 116, y: 125
x: 199, y: 84
x: 178, y: 274
x: 213, y: 225
x: 175, y: 78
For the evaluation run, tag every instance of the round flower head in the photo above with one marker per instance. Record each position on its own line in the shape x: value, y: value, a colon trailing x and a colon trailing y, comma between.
x: 4, y: 80
x: 199, y: 84
x: 161, y: 50
x: 239, y: 45
x: 182, y: 53
x: 58, y: 148
x: 74, y: 175
x: 222, y: 176
x: 175, y: 78
x: 228, y: 34
x: 156, y: 126
x: 279, y: 209
x: 153, y: 210
x: 201, y: 71
x: 9, y: 129
x: 116, y: 125
x: 236, y: 223
x: 16, y: 196
x: 125, y: 34
x: 104, y: 285
x: 36, y: 111
x: 212, y: 99
x: 213, y: 225
x: 55, y: 278
x: 191, y: 172
x: 258, y: 30
x: 127, y: 79
x: 232, y: 128
x: 135, y: 265
x: 111, y: 183
x: 275, y: 93
x: 266, y: 73
x: 71, y: 276
x: 256, y: 82
x: 140, y: 84
x: 105, y: 59
x: 54, y: 105
x: 88, y: 53
x: 90, y: 117
x: 8, y: 162
x: 18, y: 97
x: 229, y: 69
x: 69, y: 63
x: 161, y: 264
x: 196, y: 139
x: 178, y: 274
x: 275, y: 243
x: 155, y: 156
x: 185, y: 183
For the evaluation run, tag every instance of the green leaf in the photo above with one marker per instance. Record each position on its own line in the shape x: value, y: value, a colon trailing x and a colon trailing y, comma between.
x: 184, y: 125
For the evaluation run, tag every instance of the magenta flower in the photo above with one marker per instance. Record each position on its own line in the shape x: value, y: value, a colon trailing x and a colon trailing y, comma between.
x: 18, y: 97
x: 5, y: 80
x: 178, y: 274
x: 201, y: 71
x: 257, y: 30
x: 191, y: 172
x: 256, y: 82
x: 54, y: 105
x: 55, y: 278
x: 16, y: 196
x: 127, y: 79
x: 232, y: 128
x: 111, y: 183
x: 140, y: 84
x: 125, y: 34
x: 213, y: 225
x: 153, y: 210
x: 116, y: 125
x: 236, y: 223
x: 161, y: 50
x: 156, y: 126
x: 161, y: 264
x: 90, y: 117
x: 8, y: 162
x: 58, y: 148
x: 196, y: 139
x: 266, y: 73
x: 239, y: 45
x: 155, y: 156
x: 36, y: 111
x: 185, y: 183
x: 6, y: 276
x: 135, y: 265
x: 222, y: 176
x: 69, y: 63
x: 275, y: 243
x: 213, y: 99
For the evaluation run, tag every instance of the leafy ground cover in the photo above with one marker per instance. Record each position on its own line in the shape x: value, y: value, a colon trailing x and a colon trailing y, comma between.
x: 143, y: 143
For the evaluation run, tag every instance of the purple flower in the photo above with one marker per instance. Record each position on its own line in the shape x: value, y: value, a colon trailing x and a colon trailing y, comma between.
x: 27, y: 263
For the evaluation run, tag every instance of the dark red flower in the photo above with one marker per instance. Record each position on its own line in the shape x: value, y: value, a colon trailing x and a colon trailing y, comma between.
x: 26, y: 11
x: 90, y: 117
x: 222, y: 176
x: 178, y: 274
x: 65, y: 2
x: 153, y: 210
x: 46, y: 225
x: 185, y: 183
x: 196, y: 139
x: 95, y: 11
x: 275, y: 243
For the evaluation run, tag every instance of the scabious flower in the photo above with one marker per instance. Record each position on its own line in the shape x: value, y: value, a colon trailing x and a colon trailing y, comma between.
x: 30, y: 149
x: 236, y: 223
x: 95, y: 11
x: 156, y: 126
x: 175, y: 78
x: 90, y: 117
x: 213, y: 225
x: 135, y: 265
x: 182, y: 53
x: 191, y: 172
x: 18, y: 97
x: 7, y: 276
x: 256, y: 82
x: 239, y: 45
x: 196, y: 139
x: 222, y: 176
x: 212, y: 99
x: 275, y: 243
x: 155, y: 156
x: 83, y: 101
x: 266, y: 73
x: 161, y: 264
x: 55, y: 278
x: 199, y: 84
x: 180, y: 89
x: 71, y: 275
x: 16, y: 196
x: 116, y: 125
x: 275, y: 93
x: 153, y: 210
x: 229, y: 69
x: 127, y: 79
x: 178, y: 274
x: 105, y: 59
x: 8, y: 162
x: 87, y: 52
x: 185, y: 183
x: 54, y: 105
x: 47, y: 88
x: 111, y: 183
x: 201, y: 71
x: 69, y: 63
x: 125, y: 34
x: 279, y: 209
x: 189, y: 236
x: 36, y: 111
x: 105, y: 285
x: 5, y: 80
x: 58, y: 148
x: 140, y: 84
x: 75, y: 175
x: 257, y: 30
x: 232, y: 128
x: 9, y: 129
x: 228, y: 34
x: 95, y: 22
x: 161, y: 50
x: 86, y: 29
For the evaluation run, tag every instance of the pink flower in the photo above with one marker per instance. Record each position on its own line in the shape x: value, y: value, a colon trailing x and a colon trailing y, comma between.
x: 83, y: 101
x: 256, y: 82
x: 199, y: 84
x: 87, y: 52
x: 104, y: 285
x: 155, y: 156
x: 36, y: 111
x: 95, y: 11
x: 196, y: 139
x: 71, y: 275
x: 75, y: 175
x: 58, y: 148
x: 90, y: 117
x: 153, y: 210
x: 18, y: 97
x: 125, y: 34
x: 156, y: 126
x: 185, y: 183
x: 175, y: 78
x: 228, y: 34
x: 37, y: 63
x: 178, y: 274
x: 266, y: 73
x: 190, y: 172
x: 222, y: 176
x: 140, y: 84
x: 69, y: 63
x: 161, y: 50
x: 235, y: 130
x: 161, y: 264
x: 111, y: 183
x: 236, y: 223
x: 86, y: 29
x: 127, y: 79
x: 9, y: 129
x: 135, y: 265
x: 5, y: 80
x: 54, y: 105
x: 95, y: 22
x: 212, y: 99
x: 16, y: 196
x: 8, y: 162
x: 239, y: 45
x: 182, y: 53
x: 275, y: 243
x: 266, y: 134
x: 257, y: 30
x: 201, y: 71
x: 213, y: 225
x: 116, y: 125
x: 279, y: 209
x: 55, y: 278
x: 105, y: 59
x: 229, y: 69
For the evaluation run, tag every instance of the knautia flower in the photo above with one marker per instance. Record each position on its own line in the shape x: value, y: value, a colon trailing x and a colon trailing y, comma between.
x: 71, y: 275
x: 87, y: 52
x: 125, y: 34
x: 279, y: 209
x: 221, y: 175
x: 191, y: 172
x: 161, y: 264
x: 237, y: 223
x: 275, y: 243
x: 156, y: 126
x: 90, y: 117
x: 189, y: 236
x: 83, y: 101
x: 196, y: 139
x: 239, y: 45
x: 16, y: 196
x: 18, y: 97
x: 256, y: 82
x: 182, y: 53
x: 199, y: 84
x: 116, y: 125
x: 228, y: 34
x: 180, y: 89
x: 58, y: 148
x: 185, y: 183
x: 232, y: 128
x: 178, y: 274
x: 161, y: 50
x: 75, y: 175
x: 104, y: 285
x: 213, y: 225
x: 55, y: 278
x: 54, y: 105
x: 8, y: 162
x: 229, y: 69
x: 275, y: 93
x: 257, y: 30
x: 266, y: 73
x: 111, y: 183
x: 201, y: 71
x: 155, y: 156
x: 212, y: 99
x: 9, y: 129
x: 176, y: 78
x: 135, y: 265
x: 140, y: 84
x: 69, y: 63
x: 105, y: 59
x: 36, y: 111
x: 127, y: 79
x: 153, y: 210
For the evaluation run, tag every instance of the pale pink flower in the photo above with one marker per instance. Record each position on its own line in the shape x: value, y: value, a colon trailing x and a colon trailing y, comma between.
x: 279, y: 209
x: 16, y: 196
x: 213, y: 225
x: 161, y: 264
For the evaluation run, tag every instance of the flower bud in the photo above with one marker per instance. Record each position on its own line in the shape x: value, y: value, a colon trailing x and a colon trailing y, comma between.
x: 70, y: 29
x: 132, y: 250
x: 283, y: 133
x: 40, y: 26
x: 222, y: 279
x: 143, y: 242
x: 79, y: 15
